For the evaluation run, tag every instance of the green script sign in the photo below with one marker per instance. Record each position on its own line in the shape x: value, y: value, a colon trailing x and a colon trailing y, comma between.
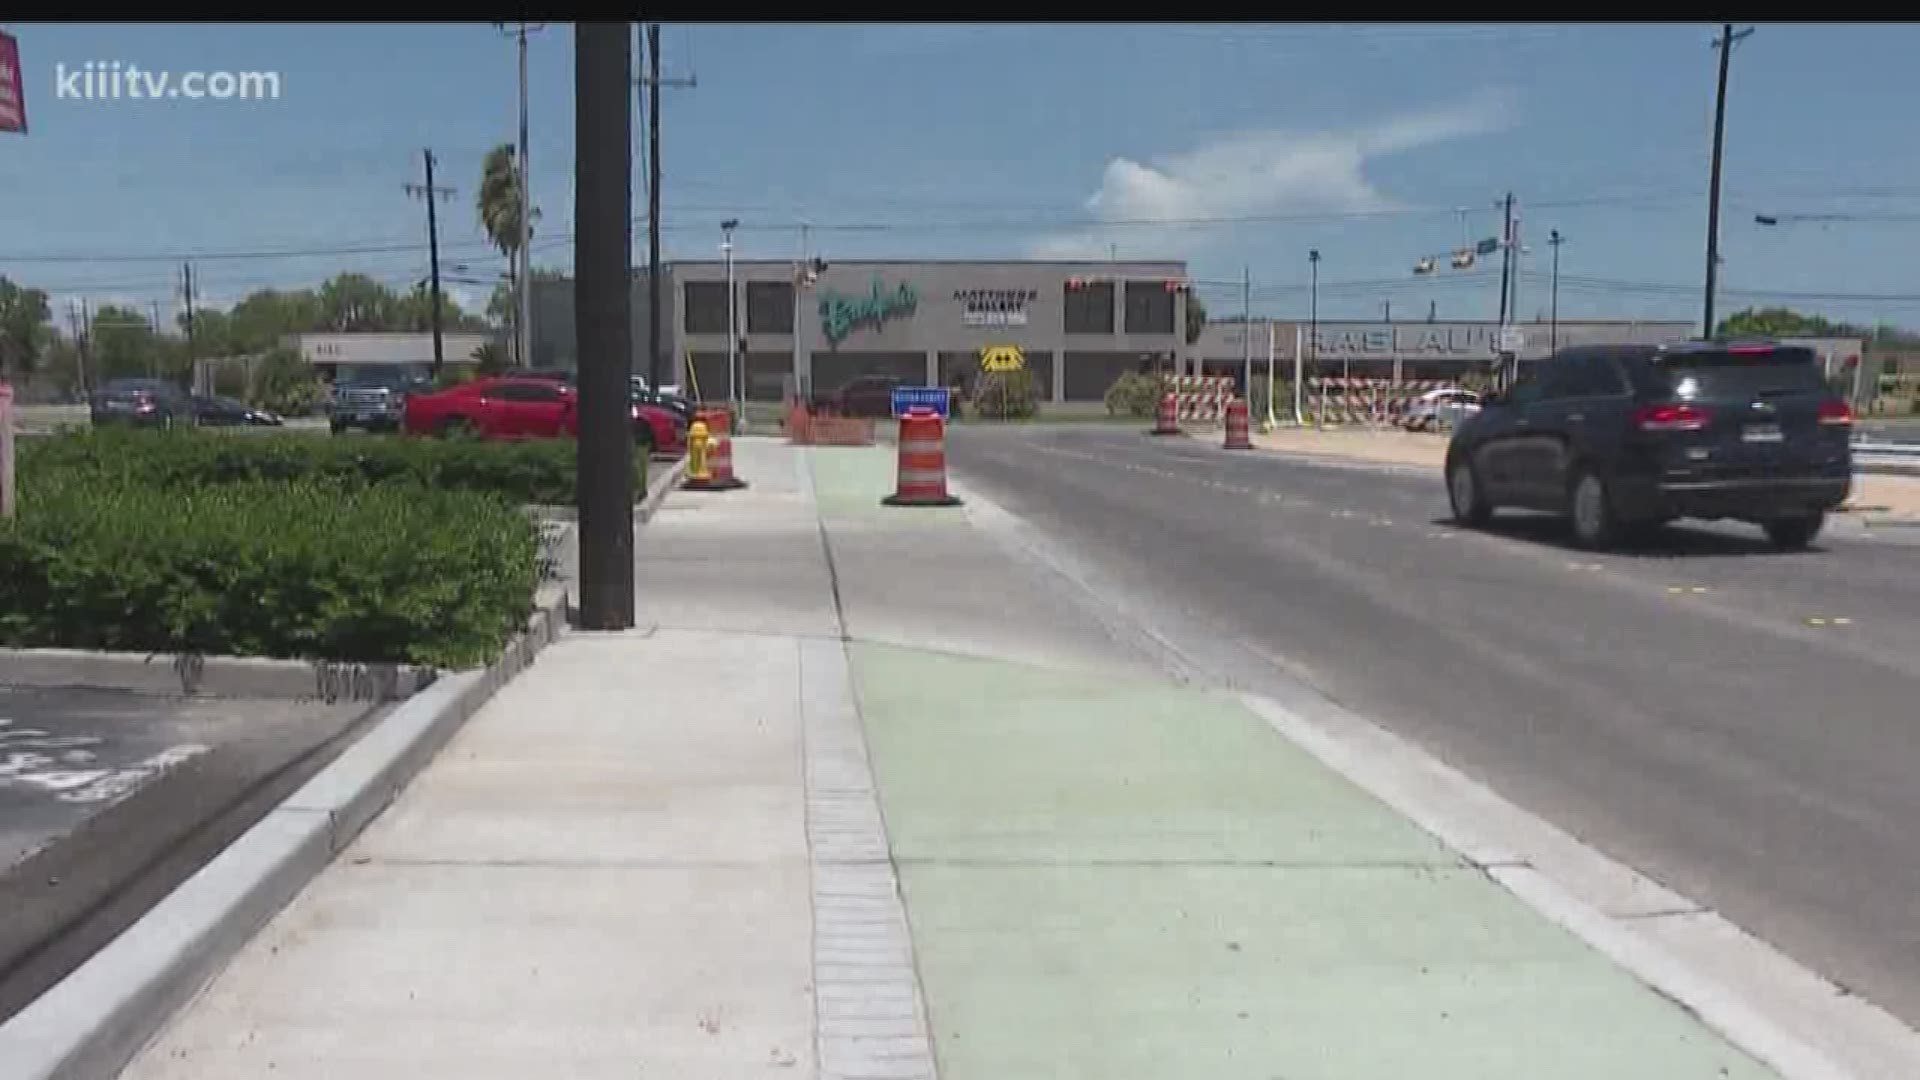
x: 842, y: 315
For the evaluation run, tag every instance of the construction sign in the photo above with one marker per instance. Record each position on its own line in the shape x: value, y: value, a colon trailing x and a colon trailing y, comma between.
x: 1002, y: 358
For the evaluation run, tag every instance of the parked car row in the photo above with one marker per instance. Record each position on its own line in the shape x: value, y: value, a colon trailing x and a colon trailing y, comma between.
x: 157, y: 403
x: 532, y: 406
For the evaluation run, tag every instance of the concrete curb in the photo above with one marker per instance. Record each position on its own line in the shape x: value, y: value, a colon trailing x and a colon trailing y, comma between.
x: 212, y: 676
x: 658, y: 487
x: 90, y: 1024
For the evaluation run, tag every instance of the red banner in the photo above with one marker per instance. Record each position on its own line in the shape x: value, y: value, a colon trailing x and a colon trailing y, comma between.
x: 13, y: 87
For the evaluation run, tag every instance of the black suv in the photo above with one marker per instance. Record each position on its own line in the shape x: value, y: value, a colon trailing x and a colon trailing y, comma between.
x: 1625, y: 438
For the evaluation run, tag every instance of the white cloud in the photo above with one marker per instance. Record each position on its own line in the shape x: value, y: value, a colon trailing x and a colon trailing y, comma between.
x: 1261, y: 172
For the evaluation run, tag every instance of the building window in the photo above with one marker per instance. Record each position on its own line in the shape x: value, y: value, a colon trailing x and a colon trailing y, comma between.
x: 706, y: 303
x: 769, y: 307
x: 1088, y: 307
x: 1149, y: 308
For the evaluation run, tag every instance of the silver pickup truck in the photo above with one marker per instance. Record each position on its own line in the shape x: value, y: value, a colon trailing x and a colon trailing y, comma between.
x: 371, y: 404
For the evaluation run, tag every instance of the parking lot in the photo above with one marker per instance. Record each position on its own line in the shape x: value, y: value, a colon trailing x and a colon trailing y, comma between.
x: 108, y: 799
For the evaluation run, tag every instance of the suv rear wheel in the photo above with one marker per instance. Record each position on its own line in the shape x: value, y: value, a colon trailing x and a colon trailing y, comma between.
x: 1590, y: 510
x: 1794, y: 533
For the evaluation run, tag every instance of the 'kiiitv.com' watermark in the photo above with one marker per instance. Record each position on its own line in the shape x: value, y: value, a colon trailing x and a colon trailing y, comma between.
x: 111, y: 80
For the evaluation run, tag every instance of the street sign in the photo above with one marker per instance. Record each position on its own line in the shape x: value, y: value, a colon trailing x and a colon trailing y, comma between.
x: 13, y: 87
x: 1512, y: 339
x: 1002, y: 358
x: 921, y: 397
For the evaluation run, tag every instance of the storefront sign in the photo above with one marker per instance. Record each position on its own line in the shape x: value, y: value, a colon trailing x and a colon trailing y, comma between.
x: 1423, y: 339
x: 13, y: 87
x: 841, y: 315
x: 994, y: 307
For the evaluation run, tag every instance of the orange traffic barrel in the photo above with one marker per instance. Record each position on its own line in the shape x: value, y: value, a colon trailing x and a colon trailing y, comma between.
x: 1166, y: 419
x: 1238, y: 437
x: 922, y: 478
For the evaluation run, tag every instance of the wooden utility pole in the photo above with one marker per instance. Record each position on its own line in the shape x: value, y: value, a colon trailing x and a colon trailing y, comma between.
x: 1725, y: 43
x: 653, y: 82
x: 428, y: 192
x: 603, y: 312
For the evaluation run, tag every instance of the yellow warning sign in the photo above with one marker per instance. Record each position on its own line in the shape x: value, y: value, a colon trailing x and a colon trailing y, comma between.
x: 1002, y: 358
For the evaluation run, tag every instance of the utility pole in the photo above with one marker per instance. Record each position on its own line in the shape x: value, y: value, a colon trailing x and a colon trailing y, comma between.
x: 1386, y: 311
x: 653, y: 82
x: 523, y: 282
x: 603, y: 312
x: 735, y: 400
x: 1554, y: 239
x: 1313, y: 332
x: 428, y: 191
x: 1725, y: 43
x: 1506, y: 255
x: 1246, y: 334
x: 654, y: 359
x: 186, y: 277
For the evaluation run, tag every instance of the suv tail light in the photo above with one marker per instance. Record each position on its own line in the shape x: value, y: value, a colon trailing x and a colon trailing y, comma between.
x: 1835, y: 412
x: 1671, y: 418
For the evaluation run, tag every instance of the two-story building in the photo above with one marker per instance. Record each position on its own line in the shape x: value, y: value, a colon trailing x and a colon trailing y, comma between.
x: 1079, y: 325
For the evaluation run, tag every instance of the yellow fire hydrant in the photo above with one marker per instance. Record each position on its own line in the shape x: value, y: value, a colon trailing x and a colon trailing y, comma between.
x: 699, y: 445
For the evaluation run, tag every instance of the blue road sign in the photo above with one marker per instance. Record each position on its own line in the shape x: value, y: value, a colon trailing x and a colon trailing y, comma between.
x: 921, y: 397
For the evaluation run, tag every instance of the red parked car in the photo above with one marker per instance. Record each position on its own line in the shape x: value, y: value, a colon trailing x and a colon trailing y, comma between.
x: 528, y: 408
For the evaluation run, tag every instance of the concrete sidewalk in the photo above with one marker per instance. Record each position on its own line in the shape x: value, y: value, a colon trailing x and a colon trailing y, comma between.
x: 663, y: 853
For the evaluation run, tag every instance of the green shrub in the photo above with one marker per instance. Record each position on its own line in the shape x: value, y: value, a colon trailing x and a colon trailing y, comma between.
x: 535, y: 471
x: 283, y: 382
x: 312, y: 568
x: 1010, y: 395
x: 1134, y: 393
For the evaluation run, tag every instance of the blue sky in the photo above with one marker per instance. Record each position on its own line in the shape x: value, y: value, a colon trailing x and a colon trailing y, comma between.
x: 910, y: 140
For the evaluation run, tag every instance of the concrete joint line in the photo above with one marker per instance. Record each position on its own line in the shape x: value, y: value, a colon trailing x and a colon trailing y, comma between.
x: 91, y: 1023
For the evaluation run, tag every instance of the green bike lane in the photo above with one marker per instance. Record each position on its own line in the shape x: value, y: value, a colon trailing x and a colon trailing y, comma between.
x: 1107, y: 876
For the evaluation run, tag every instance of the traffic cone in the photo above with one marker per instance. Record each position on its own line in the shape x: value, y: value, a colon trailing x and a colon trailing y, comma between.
x: 1166, y: 419
x: 922, y: 477
x: 1238, y: 438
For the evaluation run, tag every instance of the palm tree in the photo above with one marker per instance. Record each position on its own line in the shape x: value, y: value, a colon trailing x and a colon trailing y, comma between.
x: 498, y: 202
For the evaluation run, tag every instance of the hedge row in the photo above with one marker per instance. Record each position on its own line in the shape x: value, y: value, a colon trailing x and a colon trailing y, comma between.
x: 539, y: 471
x: 317, y: 566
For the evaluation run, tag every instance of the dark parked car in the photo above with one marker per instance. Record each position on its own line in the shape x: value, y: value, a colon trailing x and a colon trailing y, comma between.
x: 143, y: 403
x: 372, y: 400
x: 1626, y: 438
x: 228, y: 412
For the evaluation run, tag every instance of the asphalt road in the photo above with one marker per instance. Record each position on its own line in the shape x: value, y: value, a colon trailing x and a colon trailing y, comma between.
x: 110, y: 799
x: 1736, y: 722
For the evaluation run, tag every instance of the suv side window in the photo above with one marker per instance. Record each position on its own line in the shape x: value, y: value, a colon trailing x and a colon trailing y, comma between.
x: 1593, y: 375
x: 1559, y: 378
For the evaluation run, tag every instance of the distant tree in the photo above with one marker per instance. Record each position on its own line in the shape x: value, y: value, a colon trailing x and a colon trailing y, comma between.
x: 125, y: 346
x: 1776, y: 322
x: 356, y: 302
x: 491, y: 358
x: 23, y: 329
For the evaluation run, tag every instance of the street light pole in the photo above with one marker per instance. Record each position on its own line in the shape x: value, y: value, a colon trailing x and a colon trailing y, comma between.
x: 523, y: 303
x: 1246, y: 333
x: 1313, y: 332
x: 733, y: 333
x: 1725, y: 43
x: 1555, y: 239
